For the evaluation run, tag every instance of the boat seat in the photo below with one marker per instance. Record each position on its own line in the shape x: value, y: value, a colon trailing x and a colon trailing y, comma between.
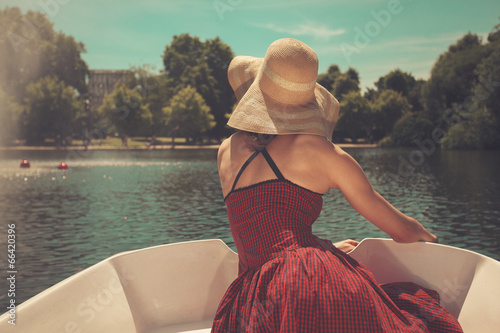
x: 467, y: 282
x: 168, y: 288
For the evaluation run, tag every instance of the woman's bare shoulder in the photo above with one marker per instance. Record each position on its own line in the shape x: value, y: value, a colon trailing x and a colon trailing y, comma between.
x: 227, y: 143
x: 319, y: 146
x: 223, y: 148
x: 232, y: 147
x: 331, y: 161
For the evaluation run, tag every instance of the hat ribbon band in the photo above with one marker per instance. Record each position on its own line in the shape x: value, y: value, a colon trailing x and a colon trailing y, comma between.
x: 284, y: 83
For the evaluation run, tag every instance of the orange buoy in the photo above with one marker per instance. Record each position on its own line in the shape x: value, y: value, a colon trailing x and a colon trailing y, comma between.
x: 62, y: 166
x: 25, y: 164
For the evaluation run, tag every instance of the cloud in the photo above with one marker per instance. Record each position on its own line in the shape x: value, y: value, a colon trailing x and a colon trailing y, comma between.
x: 419, y: 44
x: 414, y: 54
x: 422, y: 43
x: 261, y: 4
x: 402, y: 44
x: 306, y: 29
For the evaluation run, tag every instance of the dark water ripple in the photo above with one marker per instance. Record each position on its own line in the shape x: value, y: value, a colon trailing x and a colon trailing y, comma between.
x: 109, y: 202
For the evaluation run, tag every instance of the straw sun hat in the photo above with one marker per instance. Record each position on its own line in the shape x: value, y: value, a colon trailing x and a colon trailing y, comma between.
x: 278, y: 94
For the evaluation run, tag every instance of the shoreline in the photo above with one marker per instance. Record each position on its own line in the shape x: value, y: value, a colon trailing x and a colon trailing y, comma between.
x: 158, y: 147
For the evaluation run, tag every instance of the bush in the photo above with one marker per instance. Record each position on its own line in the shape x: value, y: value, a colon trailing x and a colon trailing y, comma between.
x: 408, y: 129
x: 387, y: 109
x: 354, y: 119
x: 477, y: 132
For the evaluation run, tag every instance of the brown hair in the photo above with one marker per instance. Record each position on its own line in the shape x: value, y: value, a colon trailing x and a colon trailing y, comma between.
x: 258, y: 141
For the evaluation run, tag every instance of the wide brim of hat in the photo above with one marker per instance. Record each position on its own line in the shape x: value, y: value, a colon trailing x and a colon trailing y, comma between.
x: 242, y: 72
x: 259, y: 113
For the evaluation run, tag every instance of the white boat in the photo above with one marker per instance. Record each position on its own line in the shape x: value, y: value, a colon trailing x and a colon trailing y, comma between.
x: 177, y: 287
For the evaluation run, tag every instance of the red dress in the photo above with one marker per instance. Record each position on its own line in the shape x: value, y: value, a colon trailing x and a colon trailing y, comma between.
x: 292, y: 281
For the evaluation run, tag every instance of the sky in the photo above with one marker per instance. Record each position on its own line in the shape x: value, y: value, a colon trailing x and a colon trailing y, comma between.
x: 372, y: 36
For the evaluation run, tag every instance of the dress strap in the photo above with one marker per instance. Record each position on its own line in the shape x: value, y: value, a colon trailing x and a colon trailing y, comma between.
x: 250, y: 159
x: 269, y: 160
x: 273, y: 165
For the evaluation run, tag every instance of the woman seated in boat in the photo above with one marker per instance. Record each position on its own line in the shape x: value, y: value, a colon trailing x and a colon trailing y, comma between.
x: 273, y: 172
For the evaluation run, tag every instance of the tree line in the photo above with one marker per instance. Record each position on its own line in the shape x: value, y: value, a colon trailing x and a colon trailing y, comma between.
x: 44, y: 93
x: 189, y: 98
x: 42, y: 78
x: 457, y: 108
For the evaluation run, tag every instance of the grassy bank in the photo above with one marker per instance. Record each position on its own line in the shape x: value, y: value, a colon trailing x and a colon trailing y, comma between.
x: 111, y: 142
x: 115, y: 143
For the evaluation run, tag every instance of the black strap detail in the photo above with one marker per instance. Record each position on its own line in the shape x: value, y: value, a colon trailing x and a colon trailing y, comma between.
x: 269, y: 160
x: 273, y: 165
x: 250, y: 159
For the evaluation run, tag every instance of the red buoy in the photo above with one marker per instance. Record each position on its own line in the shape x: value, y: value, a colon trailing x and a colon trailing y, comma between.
x: 25, y: 164
x: 62, y: 166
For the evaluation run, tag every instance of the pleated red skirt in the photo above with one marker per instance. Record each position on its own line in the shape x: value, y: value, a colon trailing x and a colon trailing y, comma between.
x: 292, y: 281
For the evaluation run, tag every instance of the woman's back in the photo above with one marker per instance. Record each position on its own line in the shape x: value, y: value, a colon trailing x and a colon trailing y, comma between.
x: 298, y: 157
x: 270, y: 215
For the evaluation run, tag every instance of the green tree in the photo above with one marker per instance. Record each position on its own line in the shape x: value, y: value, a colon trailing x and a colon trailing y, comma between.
x: 408, y: 129
x: 346, y: 83
x: 478, y: 132
x: 328, y: 79
x: 488, y: 71
x: 10, y: 112
x: 354, y: 119
x: 64, y: 61
x: 453, y: 76
x: 476, y: 120
x: 403, y: 83
x: 389, y: 107
x: 338, y: 83
x: 203, y: 66
x: 183, y: 53
x: 51, y: 107
x: 127, y: 111
x: 221, y: 98
x: 415, y: 96
x: 188, y: 115
x: 30, y: 49
x: 352, y: 74
x: 371, y: 94
x: 396, y: 80
x: 156, y: 91
x: 21, y: 47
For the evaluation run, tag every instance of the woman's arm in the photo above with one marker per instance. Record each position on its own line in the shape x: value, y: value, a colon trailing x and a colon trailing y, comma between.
x: 346, y: 245
x: 348, y: 176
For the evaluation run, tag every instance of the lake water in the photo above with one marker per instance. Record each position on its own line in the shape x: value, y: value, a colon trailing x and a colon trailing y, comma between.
x: 114, y: 201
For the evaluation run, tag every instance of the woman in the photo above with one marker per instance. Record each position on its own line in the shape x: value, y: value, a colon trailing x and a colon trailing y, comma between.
x: 273, y: 173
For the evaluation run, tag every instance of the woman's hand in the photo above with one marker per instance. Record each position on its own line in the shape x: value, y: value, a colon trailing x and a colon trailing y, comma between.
x: 428, y: 236
x: 346, y: 245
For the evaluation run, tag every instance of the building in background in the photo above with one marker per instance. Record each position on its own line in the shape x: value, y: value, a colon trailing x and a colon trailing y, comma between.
x: 101, y: 83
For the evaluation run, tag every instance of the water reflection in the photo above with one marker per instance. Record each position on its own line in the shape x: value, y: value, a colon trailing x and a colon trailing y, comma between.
x: 114, y: 201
